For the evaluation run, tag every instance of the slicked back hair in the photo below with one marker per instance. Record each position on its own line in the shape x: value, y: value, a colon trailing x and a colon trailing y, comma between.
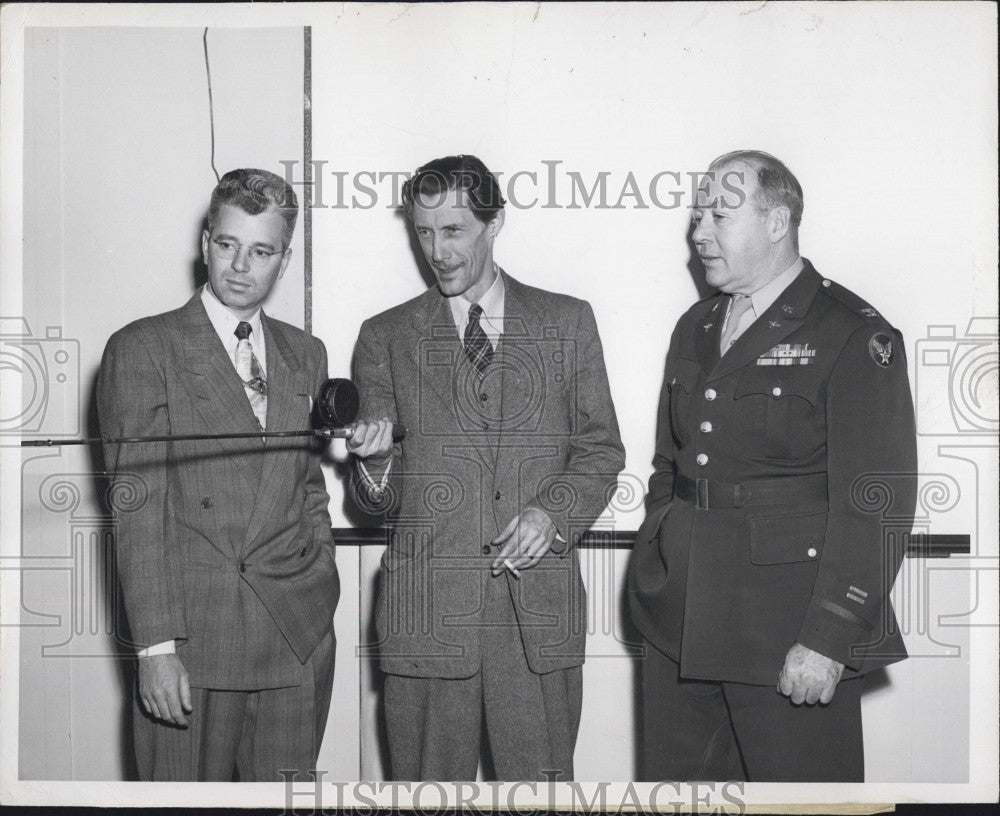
x: 433, y: 180
x: 776, y: 184
x: 255, y: 191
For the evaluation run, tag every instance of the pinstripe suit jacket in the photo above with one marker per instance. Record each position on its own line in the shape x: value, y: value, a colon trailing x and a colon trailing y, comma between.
x: 539, y: 430
x: 224, y: 545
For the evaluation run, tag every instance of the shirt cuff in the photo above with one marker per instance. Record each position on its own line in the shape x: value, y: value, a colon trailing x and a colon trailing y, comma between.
x: 167, y: 647
x: 376, y: 488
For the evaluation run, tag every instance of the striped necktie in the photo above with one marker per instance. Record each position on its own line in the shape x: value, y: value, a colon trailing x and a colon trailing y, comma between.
x: 248, y: 367
x: 478, y: 348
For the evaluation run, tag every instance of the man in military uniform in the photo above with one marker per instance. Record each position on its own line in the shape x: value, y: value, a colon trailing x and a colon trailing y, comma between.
x: 785, y: 443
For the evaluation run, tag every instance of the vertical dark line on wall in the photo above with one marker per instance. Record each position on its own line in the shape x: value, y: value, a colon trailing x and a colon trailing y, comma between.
x: 307, y: 196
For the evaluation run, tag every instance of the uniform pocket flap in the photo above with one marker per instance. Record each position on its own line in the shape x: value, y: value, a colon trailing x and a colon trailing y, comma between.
x: 781, y: 382
x: 684, y: 374
x: 786, y: 539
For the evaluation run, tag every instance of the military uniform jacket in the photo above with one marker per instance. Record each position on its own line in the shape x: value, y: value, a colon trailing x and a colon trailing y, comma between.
x: 814, y: 394
x: 223, y: 545
x: 539, y: 429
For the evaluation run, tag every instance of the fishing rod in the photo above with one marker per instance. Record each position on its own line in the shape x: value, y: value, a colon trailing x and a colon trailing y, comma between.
x: 336, y: 406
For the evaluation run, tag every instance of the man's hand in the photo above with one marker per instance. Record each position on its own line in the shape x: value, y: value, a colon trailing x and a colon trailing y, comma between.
x: 809, y: 677
x: 164, y: 688
x: 525, y: 540
x: 372, y: 439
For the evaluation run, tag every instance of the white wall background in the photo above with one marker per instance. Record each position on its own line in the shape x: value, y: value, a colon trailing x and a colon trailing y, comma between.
x: 887, y: 118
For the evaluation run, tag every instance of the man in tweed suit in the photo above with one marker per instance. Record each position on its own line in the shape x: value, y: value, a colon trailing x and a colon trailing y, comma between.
x: 776, y: 517
x: 225, y: 558
x: 512, y: 451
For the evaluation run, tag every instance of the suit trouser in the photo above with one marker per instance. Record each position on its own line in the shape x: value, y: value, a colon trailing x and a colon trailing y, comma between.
x: 717, y: 731
x: 531, y: 720
x: 241, y: 735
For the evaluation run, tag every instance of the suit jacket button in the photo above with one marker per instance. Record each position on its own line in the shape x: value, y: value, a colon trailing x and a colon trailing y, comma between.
x: 484, y: 397
x: 486, y: 549
x: 302, y: 554
x: 498, y: 495
x: 243, y: 567
x: 207, y: 502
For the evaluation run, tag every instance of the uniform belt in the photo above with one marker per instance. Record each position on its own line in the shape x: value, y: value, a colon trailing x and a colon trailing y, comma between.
x: 710, y: 494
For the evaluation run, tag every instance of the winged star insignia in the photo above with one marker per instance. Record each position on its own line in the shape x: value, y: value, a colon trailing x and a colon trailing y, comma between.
x: 774, y: 324
x: 880, y: 349
x: 707, y: 326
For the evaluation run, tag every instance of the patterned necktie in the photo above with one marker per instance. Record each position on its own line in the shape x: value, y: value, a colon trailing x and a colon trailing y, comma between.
x: 248, y: 367
x: 737, y: 308
x: 478, y: 348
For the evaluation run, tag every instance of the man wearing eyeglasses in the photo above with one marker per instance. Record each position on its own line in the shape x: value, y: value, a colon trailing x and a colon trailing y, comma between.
x: 225, y: 554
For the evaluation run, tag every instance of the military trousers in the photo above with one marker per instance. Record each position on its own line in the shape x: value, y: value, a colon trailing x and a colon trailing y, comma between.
x: 718, y: 731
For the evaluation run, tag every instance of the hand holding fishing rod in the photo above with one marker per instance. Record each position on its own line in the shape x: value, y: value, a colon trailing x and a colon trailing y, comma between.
x: 336, y: 407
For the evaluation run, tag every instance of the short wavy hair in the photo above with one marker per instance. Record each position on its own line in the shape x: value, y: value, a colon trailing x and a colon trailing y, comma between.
x: 434, y: 179
x: 255, y: 191
x: 776, y: 184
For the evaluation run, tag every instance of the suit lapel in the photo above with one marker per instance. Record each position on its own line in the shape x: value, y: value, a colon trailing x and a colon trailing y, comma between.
x: 783, y: 317
x: 433, y: 322
x: 283, y: 385
x: 521, y: 321
x: 220, y: 398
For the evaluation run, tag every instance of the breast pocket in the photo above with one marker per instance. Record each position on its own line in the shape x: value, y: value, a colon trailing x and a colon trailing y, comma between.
x: 778, y: 413
x: 683, y: 379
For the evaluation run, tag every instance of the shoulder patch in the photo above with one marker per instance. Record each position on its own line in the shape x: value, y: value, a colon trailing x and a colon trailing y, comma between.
x: 880, y: 349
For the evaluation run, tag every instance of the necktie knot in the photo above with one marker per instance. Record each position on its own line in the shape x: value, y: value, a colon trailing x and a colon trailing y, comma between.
x: 475, y: 312
x: 243, y: 330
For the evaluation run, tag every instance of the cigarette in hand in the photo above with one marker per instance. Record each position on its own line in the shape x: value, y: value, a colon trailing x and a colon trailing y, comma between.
x: 514, y: 572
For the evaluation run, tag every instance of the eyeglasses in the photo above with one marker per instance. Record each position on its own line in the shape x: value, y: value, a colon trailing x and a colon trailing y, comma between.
x: 226, y: 250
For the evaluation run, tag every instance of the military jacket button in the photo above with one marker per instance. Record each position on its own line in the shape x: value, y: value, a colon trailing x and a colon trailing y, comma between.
x: 776, y: 391
x: 710, y: 394
x: 811, y: 552
x: 826, y: 283
x: 706, y: 427
x: 486, y: 549
x: 701, y: 459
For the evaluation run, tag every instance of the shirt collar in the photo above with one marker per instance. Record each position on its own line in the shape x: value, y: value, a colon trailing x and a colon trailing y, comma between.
x: 493, y: 308
x: 225, y: 322
x: 763, y: 298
